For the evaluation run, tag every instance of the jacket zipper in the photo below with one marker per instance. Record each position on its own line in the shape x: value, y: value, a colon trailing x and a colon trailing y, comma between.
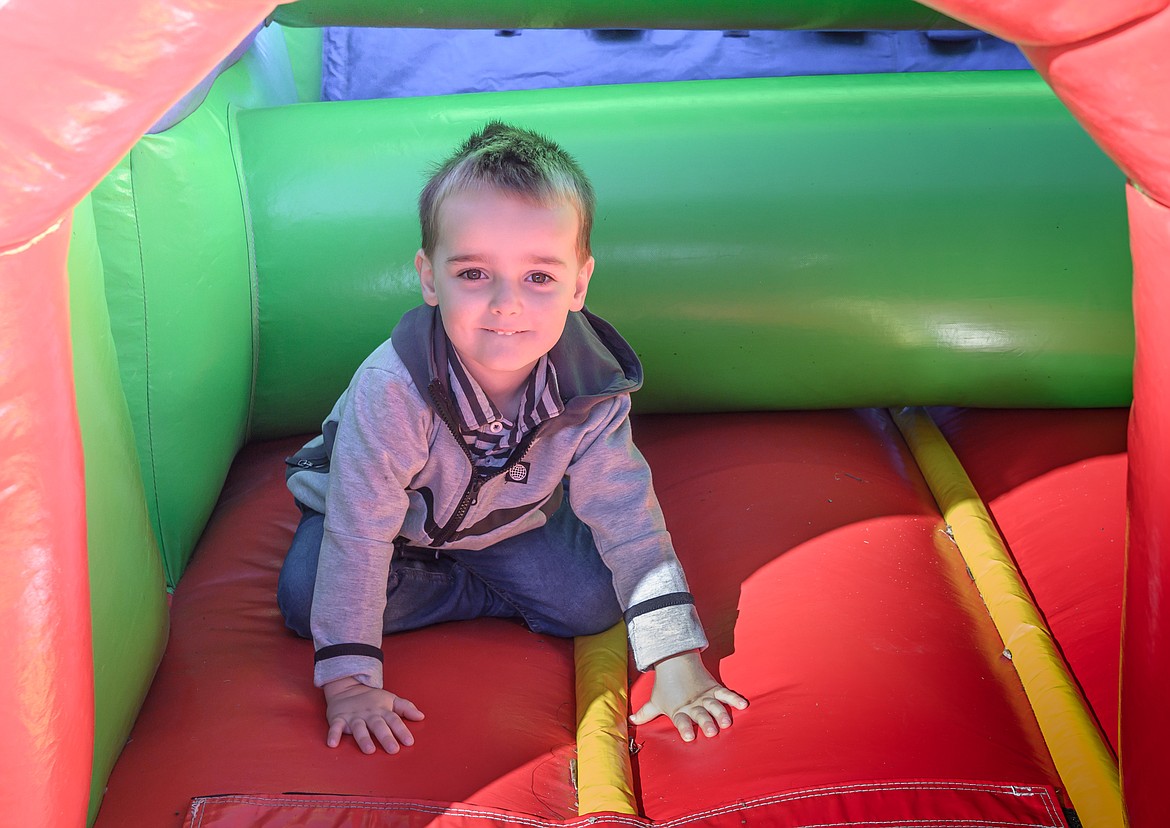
x: 478, y: 478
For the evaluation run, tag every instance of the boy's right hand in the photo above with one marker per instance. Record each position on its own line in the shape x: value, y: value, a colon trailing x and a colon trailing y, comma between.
x: 352, y: 707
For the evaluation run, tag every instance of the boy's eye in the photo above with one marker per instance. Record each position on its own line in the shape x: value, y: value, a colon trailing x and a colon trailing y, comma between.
x: 541, y: 278
x: 473, y: 274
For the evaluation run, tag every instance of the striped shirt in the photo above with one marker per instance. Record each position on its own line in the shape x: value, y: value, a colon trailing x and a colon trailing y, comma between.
x: 489, y: 436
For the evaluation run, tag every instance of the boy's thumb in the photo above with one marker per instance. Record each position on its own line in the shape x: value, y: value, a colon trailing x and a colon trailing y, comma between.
x: 644, y: 714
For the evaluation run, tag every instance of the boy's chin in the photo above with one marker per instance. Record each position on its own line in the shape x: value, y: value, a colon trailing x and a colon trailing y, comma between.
x: 504, y: 360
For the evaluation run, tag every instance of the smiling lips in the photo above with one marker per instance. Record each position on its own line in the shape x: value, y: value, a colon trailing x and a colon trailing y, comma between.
x: 499, y: 332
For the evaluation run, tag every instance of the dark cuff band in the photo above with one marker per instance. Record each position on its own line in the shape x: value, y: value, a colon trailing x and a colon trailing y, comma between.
x: 673, y: 599
x: 335, y: 650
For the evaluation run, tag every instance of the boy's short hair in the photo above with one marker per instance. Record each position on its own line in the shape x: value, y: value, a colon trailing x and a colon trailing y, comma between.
x: 516, y: 161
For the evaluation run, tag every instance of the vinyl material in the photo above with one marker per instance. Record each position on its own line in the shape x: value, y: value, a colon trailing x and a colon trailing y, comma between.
x: 832, y: 596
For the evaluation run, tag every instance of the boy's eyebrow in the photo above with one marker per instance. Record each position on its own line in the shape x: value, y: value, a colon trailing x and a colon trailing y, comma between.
x: 464, y: 258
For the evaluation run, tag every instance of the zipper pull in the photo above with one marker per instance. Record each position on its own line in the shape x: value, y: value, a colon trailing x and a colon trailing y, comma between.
x: 477, y: 482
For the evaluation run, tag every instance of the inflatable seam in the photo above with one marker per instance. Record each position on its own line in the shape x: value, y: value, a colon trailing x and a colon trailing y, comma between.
x: 158, y: 527
x: 1050, y: 806
x: 233, y: 122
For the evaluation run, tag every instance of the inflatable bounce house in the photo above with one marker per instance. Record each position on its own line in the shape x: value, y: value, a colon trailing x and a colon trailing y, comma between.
x: 910, y: 457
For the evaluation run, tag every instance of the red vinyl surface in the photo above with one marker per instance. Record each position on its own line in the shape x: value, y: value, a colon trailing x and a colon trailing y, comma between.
x: 83, y: 81
x: 1118, y: 86
x: 1054, y: 482
x: 46, y: 674
x: 1047, y: 22
x: 882, y: 805
x: 1145, y: 660
x: 838, y: 605
x: 832, y: 596
x: 233, y: 709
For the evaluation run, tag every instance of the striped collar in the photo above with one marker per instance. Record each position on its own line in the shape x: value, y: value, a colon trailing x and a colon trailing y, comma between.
x: 484, y: 428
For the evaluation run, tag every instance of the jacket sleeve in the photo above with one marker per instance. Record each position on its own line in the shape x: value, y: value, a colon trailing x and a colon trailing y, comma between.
x: 381, y: 444
x: 611, y: 491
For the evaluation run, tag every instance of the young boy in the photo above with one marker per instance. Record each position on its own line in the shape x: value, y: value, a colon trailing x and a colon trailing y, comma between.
x: 480, y: 462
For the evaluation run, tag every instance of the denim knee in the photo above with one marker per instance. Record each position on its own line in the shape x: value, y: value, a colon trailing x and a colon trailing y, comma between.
x: 585, y: 612
x: 298, y: 575
x: 297, y: 611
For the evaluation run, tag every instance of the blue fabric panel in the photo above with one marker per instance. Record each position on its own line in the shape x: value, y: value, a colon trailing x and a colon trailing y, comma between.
x: 360, y: 63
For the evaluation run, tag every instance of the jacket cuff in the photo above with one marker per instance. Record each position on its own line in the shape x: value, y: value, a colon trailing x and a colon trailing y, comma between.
x: 665, y: 632
x: 365, y: 669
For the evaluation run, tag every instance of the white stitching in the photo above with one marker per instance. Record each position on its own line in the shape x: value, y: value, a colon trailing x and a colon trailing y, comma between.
x: 791, y: 796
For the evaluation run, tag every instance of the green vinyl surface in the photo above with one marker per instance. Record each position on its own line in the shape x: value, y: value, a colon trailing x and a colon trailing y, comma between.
x: 617, y: 14
x: 949, y: 238
x: 127, y: 592
x: 180, y: 296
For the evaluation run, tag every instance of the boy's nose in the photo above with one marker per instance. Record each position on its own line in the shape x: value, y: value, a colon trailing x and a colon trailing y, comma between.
x: 505, y: 299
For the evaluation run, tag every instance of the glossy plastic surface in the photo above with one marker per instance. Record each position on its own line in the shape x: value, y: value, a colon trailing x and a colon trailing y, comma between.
x: 82, y: 81
x: 46, y: 673
x: 54, y: 179
x: 181, y: 300
x: 1118, y: 86
x: 1145, y: 658
x: 605, y: 779
x: 235, y: 691
x: 1054, y: 482
x: 1048, y: 22
x: 127, y: 591
x: 797, y: 242
x: 837, y: 604
x: 830, y: 591
x: 615, y: 14
x: 1083, y: 759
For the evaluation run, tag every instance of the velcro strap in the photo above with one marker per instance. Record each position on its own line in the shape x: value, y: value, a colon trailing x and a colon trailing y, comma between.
x: 672, y: 599
x: 338, y: 650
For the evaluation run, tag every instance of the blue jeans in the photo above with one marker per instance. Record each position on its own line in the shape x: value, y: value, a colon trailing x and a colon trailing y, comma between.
x: 551, y: 577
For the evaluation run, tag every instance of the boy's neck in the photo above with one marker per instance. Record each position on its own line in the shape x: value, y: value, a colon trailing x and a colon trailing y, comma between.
x: 507, y: 401
x: 504, y: 392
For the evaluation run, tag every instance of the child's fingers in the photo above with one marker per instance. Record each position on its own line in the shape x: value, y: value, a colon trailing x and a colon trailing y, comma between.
x: 361, y: 735
x: 704, y: 721
x: 400, y: 732
x: 731, y: 697
x: 336, y: 729
x: 685, y: 727
x: 718, y: 712
x: 406, y: 709
x: 384, y: 733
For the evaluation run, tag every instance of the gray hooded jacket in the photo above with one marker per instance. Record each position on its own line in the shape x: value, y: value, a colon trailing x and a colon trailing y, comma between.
x: 389, y: 465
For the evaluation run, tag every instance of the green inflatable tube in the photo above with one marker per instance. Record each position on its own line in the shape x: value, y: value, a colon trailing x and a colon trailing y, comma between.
x: 764, y: 244
x: 618, y: 14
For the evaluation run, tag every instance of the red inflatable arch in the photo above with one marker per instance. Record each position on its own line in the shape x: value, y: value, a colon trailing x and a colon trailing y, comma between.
x: 82, y: 82
x: 1109, y: 63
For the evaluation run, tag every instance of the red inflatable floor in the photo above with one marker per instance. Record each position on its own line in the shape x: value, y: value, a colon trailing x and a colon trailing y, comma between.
x: 833, y: 597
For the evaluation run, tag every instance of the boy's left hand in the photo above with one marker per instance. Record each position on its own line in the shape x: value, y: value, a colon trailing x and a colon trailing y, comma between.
x: 686, y: 693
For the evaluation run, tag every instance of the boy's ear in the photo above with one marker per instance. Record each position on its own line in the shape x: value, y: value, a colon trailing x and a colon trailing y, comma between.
x: 426, y: 277
x: 582, y: 285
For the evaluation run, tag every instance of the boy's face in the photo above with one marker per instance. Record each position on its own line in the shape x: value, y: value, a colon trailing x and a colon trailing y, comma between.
x: 505, y: 273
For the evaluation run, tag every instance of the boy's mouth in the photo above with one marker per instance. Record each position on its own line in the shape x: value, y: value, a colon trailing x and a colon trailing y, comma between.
x: 501, y: 332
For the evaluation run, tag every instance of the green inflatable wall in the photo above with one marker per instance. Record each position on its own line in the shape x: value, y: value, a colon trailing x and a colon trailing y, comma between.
x: 127, y: 590
x: 180, y: 296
